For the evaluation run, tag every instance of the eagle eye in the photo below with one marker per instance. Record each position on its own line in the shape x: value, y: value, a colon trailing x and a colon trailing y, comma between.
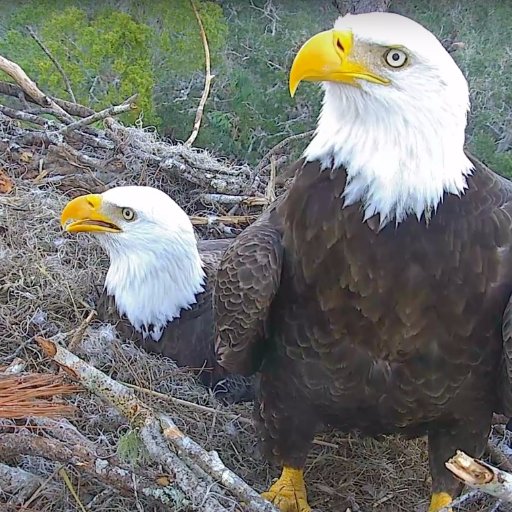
x: 128, y: 214
x: 395, y: 58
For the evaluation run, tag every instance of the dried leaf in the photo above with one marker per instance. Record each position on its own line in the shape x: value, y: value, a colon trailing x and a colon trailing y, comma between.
x: 26, y: 156
x: 164, y: 480
x: 6, y: 184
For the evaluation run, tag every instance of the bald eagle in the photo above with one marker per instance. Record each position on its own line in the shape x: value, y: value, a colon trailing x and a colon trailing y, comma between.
x: 158, y: 285
x: 371, y: 295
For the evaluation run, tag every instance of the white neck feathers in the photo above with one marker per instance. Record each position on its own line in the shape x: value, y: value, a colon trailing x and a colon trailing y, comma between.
x: 155, y: 279
x: 401, y: 155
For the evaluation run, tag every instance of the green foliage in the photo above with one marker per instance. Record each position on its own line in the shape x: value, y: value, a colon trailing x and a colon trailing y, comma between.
x: 104, y: 56
x: 250, y: 108
x: 113, y: 49
x: 130, y: 448
x: 109, y: 54
x: 484, y: 146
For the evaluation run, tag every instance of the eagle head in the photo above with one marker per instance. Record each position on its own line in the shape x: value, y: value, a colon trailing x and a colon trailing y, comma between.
x: 394, y: 112
x: 155, y: 267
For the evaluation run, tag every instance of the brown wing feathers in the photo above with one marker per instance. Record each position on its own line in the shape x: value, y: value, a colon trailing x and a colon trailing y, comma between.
x: 247, y: 280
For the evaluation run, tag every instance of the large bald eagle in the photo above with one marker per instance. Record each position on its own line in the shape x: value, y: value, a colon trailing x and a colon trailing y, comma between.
x: 158, y: 285
x: 371, y: 296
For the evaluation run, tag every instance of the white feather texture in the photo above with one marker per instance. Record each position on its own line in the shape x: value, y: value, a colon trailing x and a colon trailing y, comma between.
x: 155, y: 267
x: 402, y: 143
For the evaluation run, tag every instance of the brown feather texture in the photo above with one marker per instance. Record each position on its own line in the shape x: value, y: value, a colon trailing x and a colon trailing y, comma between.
x: 189, y: 339
x: 158, y: 288
x: 384, y: 322
x: 394, y: 330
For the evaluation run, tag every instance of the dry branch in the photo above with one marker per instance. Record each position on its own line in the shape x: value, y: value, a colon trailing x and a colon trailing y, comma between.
x: 207, y: 78
x: 77, y: 147
x: 15, y: 91
x: 156, y: 431
x: 235, y: 220
x: 17, y: 483
x: 267, y: 158
x: 28, y: 86
x: 16, y: 366
x: 56, y: 63
x: 115, y: 110
x: 82, y: 455
x: 481, y: 476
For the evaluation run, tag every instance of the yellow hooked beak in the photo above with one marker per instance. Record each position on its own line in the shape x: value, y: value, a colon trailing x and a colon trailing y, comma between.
x: 326, y: 57
x: 85, y: 214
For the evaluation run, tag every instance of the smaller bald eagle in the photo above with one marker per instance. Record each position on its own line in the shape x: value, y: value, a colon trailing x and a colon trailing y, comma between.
x: 157, y: 288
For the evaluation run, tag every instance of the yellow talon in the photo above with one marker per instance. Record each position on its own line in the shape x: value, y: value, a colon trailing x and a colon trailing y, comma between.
x: 288, y: 494
x: 439, y: 501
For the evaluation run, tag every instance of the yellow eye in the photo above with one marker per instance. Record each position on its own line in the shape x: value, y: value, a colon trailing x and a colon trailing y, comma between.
x: 128, y: 214
x: 395, y: 58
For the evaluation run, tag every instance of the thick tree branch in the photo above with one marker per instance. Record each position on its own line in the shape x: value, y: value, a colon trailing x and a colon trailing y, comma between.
x: 72, y: 108
x: 29, y: 87
x: 233, y: 220
x: 481, y: 476
x: 156, y: 430
x: 106, y: 469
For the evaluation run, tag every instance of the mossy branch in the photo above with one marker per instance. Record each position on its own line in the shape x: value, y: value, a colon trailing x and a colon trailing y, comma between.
x: 195, y: 470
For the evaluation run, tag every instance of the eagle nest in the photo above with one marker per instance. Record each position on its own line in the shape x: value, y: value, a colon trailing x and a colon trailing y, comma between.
x: 48, y: 287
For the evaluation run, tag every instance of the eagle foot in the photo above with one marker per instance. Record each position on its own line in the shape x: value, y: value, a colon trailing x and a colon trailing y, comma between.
x: 439, y: 501
x: 288, y: 494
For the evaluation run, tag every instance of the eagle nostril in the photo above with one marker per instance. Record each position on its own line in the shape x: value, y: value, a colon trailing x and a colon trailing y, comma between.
x: 340, y: 46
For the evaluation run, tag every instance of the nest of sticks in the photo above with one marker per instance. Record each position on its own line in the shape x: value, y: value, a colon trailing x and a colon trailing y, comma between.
x: 111, y: 427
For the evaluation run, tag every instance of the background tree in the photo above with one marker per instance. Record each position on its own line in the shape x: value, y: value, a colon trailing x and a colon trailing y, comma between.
x: 113, y: 49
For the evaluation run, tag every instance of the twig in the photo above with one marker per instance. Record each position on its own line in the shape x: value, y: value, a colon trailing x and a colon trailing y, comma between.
x: 207, y: 79
x: 270, y: 193
x: 55, y: 62
x: 210, y: 410
x: 186, y: 403
x: 79, y: 333
x: 480, y: 475
x: 29, y: 87
x: 115, y: 110
x: 156, y: 430
x: 222, y: 219
x: 266, y: 158
x: 42, y: 488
